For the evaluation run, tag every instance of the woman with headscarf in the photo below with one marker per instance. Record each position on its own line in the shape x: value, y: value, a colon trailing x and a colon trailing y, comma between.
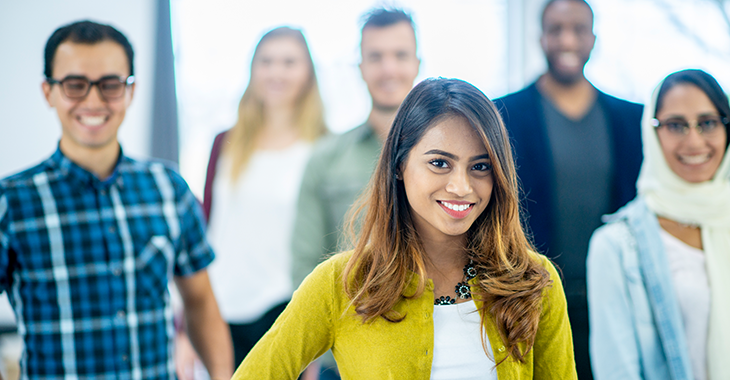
x: 658, y: 282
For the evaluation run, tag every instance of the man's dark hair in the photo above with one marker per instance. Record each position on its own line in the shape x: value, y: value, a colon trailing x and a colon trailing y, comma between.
x: 551, y: 2
x: 85, y: 32
x: 382, y: 17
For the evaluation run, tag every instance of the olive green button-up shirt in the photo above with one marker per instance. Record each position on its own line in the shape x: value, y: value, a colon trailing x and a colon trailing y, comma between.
x: 320, y: 317
x: 337, y: 172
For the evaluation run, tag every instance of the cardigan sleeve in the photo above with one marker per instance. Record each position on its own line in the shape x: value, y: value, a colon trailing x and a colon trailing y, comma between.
x: 302, y: 333
x: 613, y: 345
x: 553, y: 349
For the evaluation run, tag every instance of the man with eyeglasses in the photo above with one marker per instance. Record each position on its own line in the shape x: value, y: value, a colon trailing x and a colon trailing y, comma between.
x: 577, y: 152
x: 90, y: 238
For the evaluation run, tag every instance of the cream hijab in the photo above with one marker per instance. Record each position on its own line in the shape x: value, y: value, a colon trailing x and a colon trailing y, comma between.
x: 706, y: 204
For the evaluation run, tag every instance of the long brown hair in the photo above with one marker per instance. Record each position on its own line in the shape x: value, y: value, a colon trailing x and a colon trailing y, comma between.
x: 309, y: 110
x: 388, y: 252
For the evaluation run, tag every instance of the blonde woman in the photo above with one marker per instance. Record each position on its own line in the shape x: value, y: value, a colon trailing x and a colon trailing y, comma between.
x: 251, y: 189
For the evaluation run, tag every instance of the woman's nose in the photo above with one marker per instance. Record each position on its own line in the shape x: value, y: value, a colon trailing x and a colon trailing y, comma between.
x: 459, y: 183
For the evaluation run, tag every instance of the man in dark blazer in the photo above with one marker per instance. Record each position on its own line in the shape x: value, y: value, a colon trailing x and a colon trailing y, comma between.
x: 577, y: 151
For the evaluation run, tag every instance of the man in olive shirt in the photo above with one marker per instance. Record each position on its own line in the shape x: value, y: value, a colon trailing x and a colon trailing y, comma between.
x: 341, y: 166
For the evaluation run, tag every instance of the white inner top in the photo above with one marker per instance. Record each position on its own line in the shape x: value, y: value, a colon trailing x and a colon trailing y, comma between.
x: 250, y: 230
x: 458, y: 352
x: 689, y: 276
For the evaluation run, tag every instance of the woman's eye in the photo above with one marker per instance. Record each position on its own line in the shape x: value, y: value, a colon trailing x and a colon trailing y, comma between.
x: 708, y: 125
x: 439, y: 163
x: 483, y: 167
x: 676, y: 126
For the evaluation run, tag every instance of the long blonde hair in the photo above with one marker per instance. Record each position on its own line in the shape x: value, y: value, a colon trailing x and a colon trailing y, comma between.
x: 309, y: 112
x: 388, y: 251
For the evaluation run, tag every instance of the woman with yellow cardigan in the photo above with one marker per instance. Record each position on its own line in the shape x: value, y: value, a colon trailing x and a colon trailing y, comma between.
x: 442, y: 283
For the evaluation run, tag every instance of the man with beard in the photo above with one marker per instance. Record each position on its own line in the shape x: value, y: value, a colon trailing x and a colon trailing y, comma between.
x: 341, y: 166
x: 577, y: 152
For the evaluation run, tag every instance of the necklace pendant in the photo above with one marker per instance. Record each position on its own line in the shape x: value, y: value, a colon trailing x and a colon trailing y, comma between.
x: 470, y: 271
x: 463, y: 291
x: 444, y: 301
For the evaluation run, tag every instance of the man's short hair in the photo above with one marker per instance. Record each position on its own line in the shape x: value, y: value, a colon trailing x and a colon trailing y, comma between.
x: 551, y: 2
x: 382, y: 17
x: 85, y: 32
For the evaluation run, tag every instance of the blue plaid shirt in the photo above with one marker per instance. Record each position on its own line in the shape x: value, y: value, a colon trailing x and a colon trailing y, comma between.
x: 86, y: 264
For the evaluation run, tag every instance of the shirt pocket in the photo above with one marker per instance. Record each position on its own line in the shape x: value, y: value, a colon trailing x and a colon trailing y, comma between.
x: 153, y: 269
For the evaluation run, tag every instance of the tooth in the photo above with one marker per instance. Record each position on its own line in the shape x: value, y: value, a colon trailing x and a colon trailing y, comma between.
x: 694, y: 160
x: 92, y: 120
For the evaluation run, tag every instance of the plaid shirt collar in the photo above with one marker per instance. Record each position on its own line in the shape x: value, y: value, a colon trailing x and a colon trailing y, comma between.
x: 83, y: 178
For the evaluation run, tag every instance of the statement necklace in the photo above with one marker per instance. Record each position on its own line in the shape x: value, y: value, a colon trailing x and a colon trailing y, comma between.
x: 462, y: 288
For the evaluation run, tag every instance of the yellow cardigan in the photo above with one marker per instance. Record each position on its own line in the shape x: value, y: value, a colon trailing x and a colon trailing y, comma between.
x: 318, y: 319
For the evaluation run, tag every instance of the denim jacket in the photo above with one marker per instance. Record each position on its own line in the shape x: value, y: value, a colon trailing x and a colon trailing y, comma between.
x: 636, y: 324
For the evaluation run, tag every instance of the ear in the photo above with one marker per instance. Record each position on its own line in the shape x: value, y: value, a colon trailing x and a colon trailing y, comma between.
x: 131, y: 92
x: 46, y: 88
x: 543, y: 43
x: 593, y: 40
x: 399, y: 174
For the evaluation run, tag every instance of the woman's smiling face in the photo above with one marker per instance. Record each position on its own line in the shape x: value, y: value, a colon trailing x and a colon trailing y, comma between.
x: 694, y: 157
x: 447, y: 179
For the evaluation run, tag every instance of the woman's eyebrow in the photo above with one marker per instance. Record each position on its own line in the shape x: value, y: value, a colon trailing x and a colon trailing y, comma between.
x: 455, y: 157
x: 441, y: 152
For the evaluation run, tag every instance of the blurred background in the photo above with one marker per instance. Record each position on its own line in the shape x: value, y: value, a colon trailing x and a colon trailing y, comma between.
x: 193, y: 60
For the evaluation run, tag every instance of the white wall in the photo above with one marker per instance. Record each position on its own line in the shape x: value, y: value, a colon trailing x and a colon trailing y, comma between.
x: 214, y: 43
x: 29, y: 129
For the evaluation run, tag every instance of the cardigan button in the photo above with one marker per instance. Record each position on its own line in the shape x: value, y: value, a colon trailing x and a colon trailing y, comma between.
x: 501, y: 349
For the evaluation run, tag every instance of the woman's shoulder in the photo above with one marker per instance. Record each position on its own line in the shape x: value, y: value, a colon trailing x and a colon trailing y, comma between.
x: 546, y: 263
x: 338, y: 261
x: 331, y: 268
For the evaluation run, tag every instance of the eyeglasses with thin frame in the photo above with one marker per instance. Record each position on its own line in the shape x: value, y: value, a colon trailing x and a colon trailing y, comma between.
x: 78, y: 87
x: 705, y: 125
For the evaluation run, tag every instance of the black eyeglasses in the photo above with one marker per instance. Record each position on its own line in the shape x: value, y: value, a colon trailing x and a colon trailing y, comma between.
x: 705, y: 125
x: 78, y: 87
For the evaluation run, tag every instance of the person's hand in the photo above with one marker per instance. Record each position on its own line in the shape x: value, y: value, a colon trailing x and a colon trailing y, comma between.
x: 185, y: 357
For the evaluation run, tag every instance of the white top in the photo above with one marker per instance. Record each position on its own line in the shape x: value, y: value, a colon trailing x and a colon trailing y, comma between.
x: 458, y: 352
x: 250, y: 231
x: 689, y: 277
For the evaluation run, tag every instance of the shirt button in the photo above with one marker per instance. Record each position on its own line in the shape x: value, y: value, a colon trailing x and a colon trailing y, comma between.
x: 501, y: 349
x: 121, y: 314
x: 125, y: 358
x: 112, y: 230
x: 117, y: 271
x: 102, y: 191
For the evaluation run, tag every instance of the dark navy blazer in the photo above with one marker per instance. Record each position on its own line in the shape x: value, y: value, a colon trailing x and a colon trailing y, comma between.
x: 523, y: 117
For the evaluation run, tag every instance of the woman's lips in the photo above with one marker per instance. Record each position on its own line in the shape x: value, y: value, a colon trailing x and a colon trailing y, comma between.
x: 456, y: 209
